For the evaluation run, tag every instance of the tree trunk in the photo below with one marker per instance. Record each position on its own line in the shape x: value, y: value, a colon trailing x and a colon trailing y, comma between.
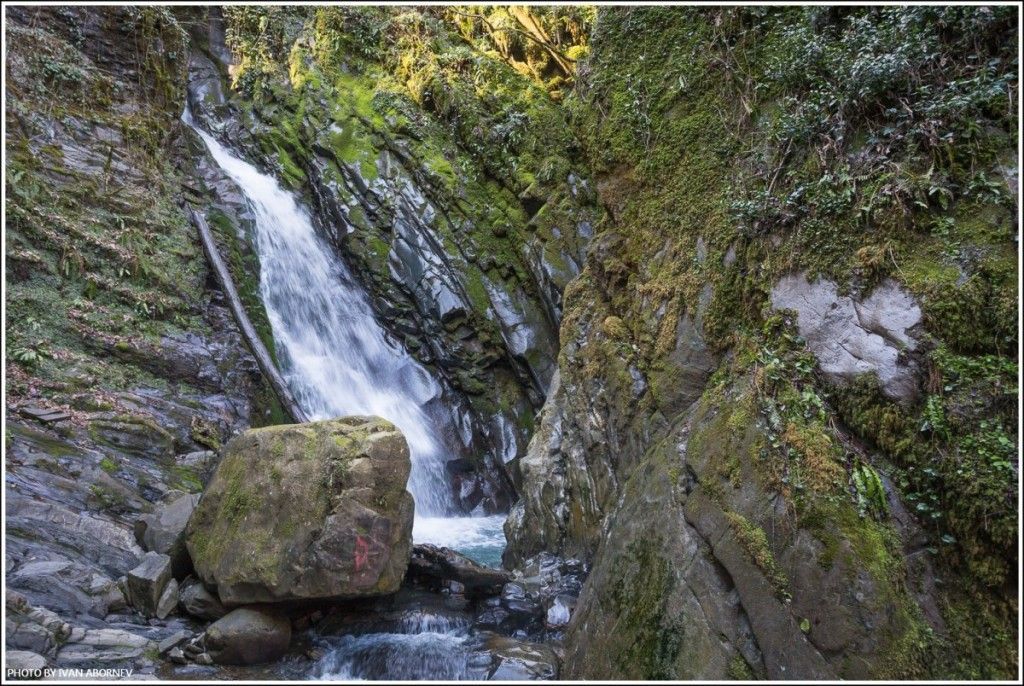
x: 252, y: 339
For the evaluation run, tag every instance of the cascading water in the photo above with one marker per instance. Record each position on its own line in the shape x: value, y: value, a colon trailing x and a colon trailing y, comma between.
x: 337, y: 361
x: 334, y: 355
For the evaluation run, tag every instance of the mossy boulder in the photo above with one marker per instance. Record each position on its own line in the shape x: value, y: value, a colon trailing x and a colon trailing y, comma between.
x: 307, y: 511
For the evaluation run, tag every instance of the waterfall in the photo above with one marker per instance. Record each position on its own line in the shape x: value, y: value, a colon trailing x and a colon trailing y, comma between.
x: 337, y: 360
x: 336, y: 357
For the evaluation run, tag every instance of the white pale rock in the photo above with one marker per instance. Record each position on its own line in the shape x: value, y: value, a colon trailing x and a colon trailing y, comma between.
x: 851, y: 338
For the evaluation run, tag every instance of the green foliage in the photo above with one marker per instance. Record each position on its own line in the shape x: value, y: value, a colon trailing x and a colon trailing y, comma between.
x: 879, y: 115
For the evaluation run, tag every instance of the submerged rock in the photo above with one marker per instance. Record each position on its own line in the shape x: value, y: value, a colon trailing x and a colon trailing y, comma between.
x: 303, y: 512
x: 248, y: 636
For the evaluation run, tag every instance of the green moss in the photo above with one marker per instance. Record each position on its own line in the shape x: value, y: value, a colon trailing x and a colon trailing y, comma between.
x: 755, y: 542
x: 639, y: 598
x: 108, y: 465
x: 186, y: 479
x: 739, y: 670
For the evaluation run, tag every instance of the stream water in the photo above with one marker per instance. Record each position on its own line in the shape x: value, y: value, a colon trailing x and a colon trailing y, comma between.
x: 338, y: 361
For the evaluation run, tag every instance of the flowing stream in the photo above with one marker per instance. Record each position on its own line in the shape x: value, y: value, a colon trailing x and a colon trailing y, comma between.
x: 338, y: 361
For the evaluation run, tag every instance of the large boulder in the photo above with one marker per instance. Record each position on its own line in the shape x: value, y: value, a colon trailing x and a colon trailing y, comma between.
x: 306, y: 511
x: 248, y: 636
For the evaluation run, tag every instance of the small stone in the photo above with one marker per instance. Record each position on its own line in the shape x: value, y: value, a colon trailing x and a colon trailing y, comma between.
x: 168, y: 600
x: 203, y: 659
x: 177, y: 656
x: 173, y: 641
x: 196, y: 600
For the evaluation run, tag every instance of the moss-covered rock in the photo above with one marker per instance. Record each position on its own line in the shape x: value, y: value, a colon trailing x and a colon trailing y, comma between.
x: 306, y: 512
x: 732, y: 148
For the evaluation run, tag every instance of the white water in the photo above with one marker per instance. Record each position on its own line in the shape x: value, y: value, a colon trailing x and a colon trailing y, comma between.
x: 336, y: 358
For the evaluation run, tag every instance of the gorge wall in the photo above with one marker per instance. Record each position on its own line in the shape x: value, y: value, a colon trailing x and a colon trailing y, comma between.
x: 724, y: 301
x: 783, y: 426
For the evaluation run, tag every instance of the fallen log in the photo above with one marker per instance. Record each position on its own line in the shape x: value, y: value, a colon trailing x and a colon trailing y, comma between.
x: 252, y: 339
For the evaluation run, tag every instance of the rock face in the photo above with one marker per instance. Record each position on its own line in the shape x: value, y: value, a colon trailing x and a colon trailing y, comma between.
x: 853, y: 337
x: 303, y: 512
x: 466, y: 267
x: 570, y: 471
x: 688, y: 584
x: 248, y: 636
x: 138, y: 404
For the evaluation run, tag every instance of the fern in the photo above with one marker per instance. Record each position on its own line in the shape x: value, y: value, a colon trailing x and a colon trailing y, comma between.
x: 867, y: 485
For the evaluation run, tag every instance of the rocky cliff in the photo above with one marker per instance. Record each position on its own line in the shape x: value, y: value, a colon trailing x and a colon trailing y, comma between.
x: 783, y: 428
x: 125, y: 370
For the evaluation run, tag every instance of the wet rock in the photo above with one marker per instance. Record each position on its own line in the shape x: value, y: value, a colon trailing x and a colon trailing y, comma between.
x: 311, y: 511
x: 438, y: 564
x: 196, y: 600
x: 851, y: 337
x: 24, y: 664
x: 147, y: 582
x: 515, y: 660
x: 163, y: 530
x: 559, y: 612
x: 248, y: 636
